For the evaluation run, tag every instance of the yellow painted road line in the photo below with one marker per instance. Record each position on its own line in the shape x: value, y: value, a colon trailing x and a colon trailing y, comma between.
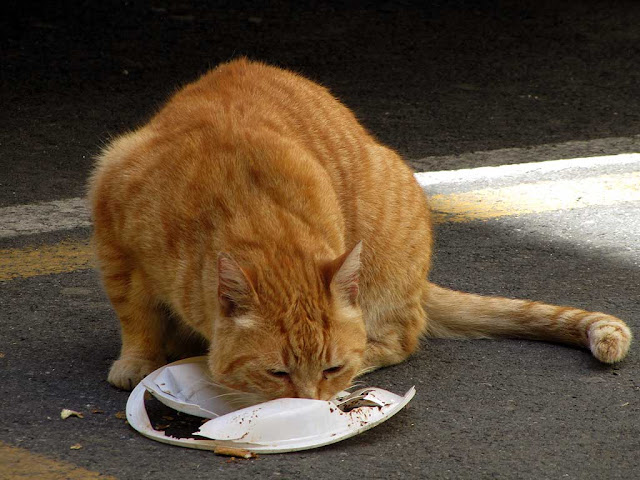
x: 20, y: 464
x: 45, y: 260
x: 484, y: 204
x: 537, y: 197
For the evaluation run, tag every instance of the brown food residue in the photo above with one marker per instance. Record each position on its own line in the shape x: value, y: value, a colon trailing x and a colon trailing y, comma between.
x: 234, y: 452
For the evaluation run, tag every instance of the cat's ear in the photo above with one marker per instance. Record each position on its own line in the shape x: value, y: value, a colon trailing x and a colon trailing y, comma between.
x: 343, y: 275
x: 235, y: 289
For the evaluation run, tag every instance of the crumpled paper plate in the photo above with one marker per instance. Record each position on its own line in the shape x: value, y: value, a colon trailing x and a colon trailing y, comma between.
x: 277, y: 426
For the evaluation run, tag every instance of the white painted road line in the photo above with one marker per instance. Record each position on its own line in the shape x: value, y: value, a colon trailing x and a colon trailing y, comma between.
x: 44, y: 217
x: 539, y: 169
x: 536, y: 153
x: 73, y: 212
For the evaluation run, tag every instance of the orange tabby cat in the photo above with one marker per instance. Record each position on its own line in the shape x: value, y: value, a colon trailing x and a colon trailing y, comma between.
x: 255, y: 215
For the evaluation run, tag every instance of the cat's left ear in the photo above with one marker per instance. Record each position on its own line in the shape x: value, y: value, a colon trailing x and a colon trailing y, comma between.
x: 236, y: 292
x: 343, y: 275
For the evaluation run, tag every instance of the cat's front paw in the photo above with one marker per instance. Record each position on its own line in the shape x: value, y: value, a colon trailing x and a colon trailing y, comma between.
x: 609, y: 340
x: 126, y: 373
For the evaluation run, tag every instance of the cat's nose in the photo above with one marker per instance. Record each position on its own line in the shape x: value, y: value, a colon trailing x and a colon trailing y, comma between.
x: 306, y: 391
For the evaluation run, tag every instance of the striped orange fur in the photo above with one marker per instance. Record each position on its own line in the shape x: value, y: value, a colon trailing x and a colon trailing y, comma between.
x: 254, y: 215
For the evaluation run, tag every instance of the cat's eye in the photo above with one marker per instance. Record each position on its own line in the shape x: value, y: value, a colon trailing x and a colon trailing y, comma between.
x: 278, y: 373
x: 332, y: 370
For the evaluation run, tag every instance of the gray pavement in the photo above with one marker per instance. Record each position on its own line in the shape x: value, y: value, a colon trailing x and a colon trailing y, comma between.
x: 539, y: 79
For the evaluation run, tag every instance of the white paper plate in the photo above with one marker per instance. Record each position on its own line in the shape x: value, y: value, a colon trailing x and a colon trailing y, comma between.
x: 277, y: 426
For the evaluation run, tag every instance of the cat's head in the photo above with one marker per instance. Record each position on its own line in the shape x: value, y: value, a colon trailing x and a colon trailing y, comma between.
x: 274, y: 339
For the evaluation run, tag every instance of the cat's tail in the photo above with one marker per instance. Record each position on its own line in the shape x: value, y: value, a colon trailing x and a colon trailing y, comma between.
x: 453, y: 314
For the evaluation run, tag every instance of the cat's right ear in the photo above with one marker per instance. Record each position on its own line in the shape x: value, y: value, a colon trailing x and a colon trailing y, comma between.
x: 236, y: 293
x: 343, y: 275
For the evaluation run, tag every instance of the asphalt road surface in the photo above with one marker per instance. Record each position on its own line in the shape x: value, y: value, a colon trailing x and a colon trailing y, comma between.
x: 452, y: 85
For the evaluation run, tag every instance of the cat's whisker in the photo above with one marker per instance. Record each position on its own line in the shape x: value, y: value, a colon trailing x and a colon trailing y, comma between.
x: 215, y: 384
x: 230, y: 394
x: 220, y: 386
x: 365, y: 371
x: 236, y: 396
x: 356, y: 384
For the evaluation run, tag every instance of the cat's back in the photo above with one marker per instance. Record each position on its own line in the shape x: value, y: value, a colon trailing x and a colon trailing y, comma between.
x: 243, y: 97
x: 249, y: 127
x: 240, y: 121
x: 238, y: 108
x: 244, y: 127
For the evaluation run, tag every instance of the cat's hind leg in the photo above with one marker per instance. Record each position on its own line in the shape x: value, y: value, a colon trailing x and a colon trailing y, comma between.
x: 393, y: 336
